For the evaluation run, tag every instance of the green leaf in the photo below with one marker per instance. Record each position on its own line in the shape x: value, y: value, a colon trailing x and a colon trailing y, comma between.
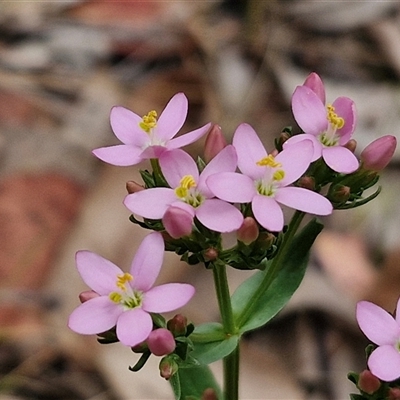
x: 284, y: 285
x: 176, y: 385
x: 194, y: 381
x: 211, y: 343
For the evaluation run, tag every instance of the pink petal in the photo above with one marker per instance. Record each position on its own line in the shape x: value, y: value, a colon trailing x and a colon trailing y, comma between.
x: 345, y: 108
x: 168, y: 297
x: 121, y: 155
x: 267, y: 212
x: 232, y: 187
x: 172, y: 118
x: 377, y: 324
x: 178, y: 222
x: 314, y: 82
x: 134, y: 327
x: 304, y: 136
x: 153, y: 151
x: 97, y: 272
x: 224, y: 161
x: 150, y: 203
x: 250, y: 150
x: 94, y: 316
x: 147, y: 262
x: 384, y: 363
x: 175, y: 164
x: 309, y: 111
x: 304, y: 200
x: 219, y: 216
x: 125, y: 125
x: 295, y: 160
x: 340, y: 159
x: 187, y: 138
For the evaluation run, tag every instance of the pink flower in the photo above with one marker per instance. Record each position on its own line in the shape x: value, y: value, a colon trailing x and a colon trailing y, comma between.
x: 149, y: 136
x: 189, y: 191
x: 377, y: 155
x: 265, y: 180
x: 384, y: 330
x: 126, y: 299
x: 329, y: 127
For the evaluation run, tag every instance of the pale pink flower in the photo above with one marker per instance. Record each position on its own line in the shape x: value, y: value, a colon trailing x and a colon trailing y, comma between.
x: 329, y: 127
x: 125, y: 300
x: 383, y: 330
x: 149, y: 136
x: 188, y: 190
x: 265, y: 180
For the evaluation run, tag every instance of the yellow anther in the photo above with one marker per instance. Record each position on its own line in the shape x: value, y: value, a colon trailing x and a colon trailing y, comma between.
x: 333, y: 118
x: 269, y: 161
x: 123, y: 279
x: 279, y: 175
x: 115, y: 297
x: 149, y: 121
x: 185, y: 184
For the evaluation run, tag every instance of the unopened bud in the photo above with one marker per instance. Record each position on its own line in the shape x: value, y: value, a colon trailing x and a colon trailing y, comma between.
x: 351, y: 145
x: 211, y: 254
x: 394, y: 393
x: 177, y: 325
x: 248, y: 232
x: 168, y: 367
x: 215, y: 142
x: 140, y: 348
x: 177, y: 222
x: 133, y: 187
x: 314, y: 82
x: 378, y: 154
x: 307, y: 182
x: 87, y: 295
x: 209, y: 394
x: 339, y: 194
x: 266, y: 240
x: 161, y: 342
x: 368, y: 382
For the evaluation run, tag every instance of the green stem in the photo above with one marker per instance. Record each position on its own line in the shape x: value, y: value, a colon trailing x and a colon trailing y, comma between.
x: 231, y: 362
x: 272, y: 271
x: 157, y: 173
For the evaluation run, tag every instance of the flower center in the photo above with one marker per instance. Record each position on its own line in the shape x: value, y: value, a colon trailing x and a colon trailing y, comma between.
x: 269, y: 161
x: 187, y: 192
x: 126, y: 296
x: 330, y: 138
x: 268, y: 185
x: 149, y: 121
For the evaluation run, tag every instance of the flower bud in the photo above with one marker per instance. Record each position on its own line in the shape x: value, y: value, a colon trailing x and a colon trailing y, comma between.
x: 378, y: 154
x: 351, y: 145
x: 248, y: 232
x: 209, y: 394
x: 177, y: 325
x: 394, y: 393
x: 177, y: 222
x: 161, y: 342
x: 339, y: 194
x: 215, y: 142
x: 211, y: 254
x: 367, y: 382
x: 133, y: 187
x: 168, y: 367
x: 87, y: 295
x: 314, y: 82
x: 307, y: 182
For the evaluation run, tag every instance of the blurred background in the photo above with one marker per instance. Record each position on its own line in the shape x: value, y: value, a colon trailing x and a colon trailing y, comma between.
x: 63, y: 65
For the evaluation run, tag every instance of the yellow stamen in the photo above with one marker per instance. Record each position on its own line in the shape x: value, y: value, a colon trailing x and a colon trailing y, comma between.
x: 186, y: 183
x: 123, y: 279
x: 333, y: 118
x: 149, y: 121
x: 115, y: 297
x: 279, y: 175
x: 269, y: 161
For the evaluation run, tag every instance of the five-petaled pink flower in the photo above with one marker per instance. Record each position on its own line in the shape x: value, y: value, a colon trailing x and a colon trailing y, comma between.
x: 329, y: 127
x: 384, y: 330
x: 265, y: 180
x: 149, y: 136
x: 188, y: 190
x: 125, y: 299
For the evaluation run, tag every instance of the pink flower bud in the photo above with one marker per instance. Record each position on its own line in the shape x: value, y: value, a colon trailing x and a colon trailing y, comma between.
x: 161, y: 342
x: 177, y: 325
x: 351, y: 145
x: 248, y: 232
x: 314, y: 82
x: 211, y: 254
x: 209, y: 394
x: 177, y: 222
x: 394, y: 393
x: 215, y: 142
x: 378, y: 154
x: 168, y: 367
x: 87, y: 295
x: 307, y: 182
x: 367, y: 382
x: 133, y: 187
